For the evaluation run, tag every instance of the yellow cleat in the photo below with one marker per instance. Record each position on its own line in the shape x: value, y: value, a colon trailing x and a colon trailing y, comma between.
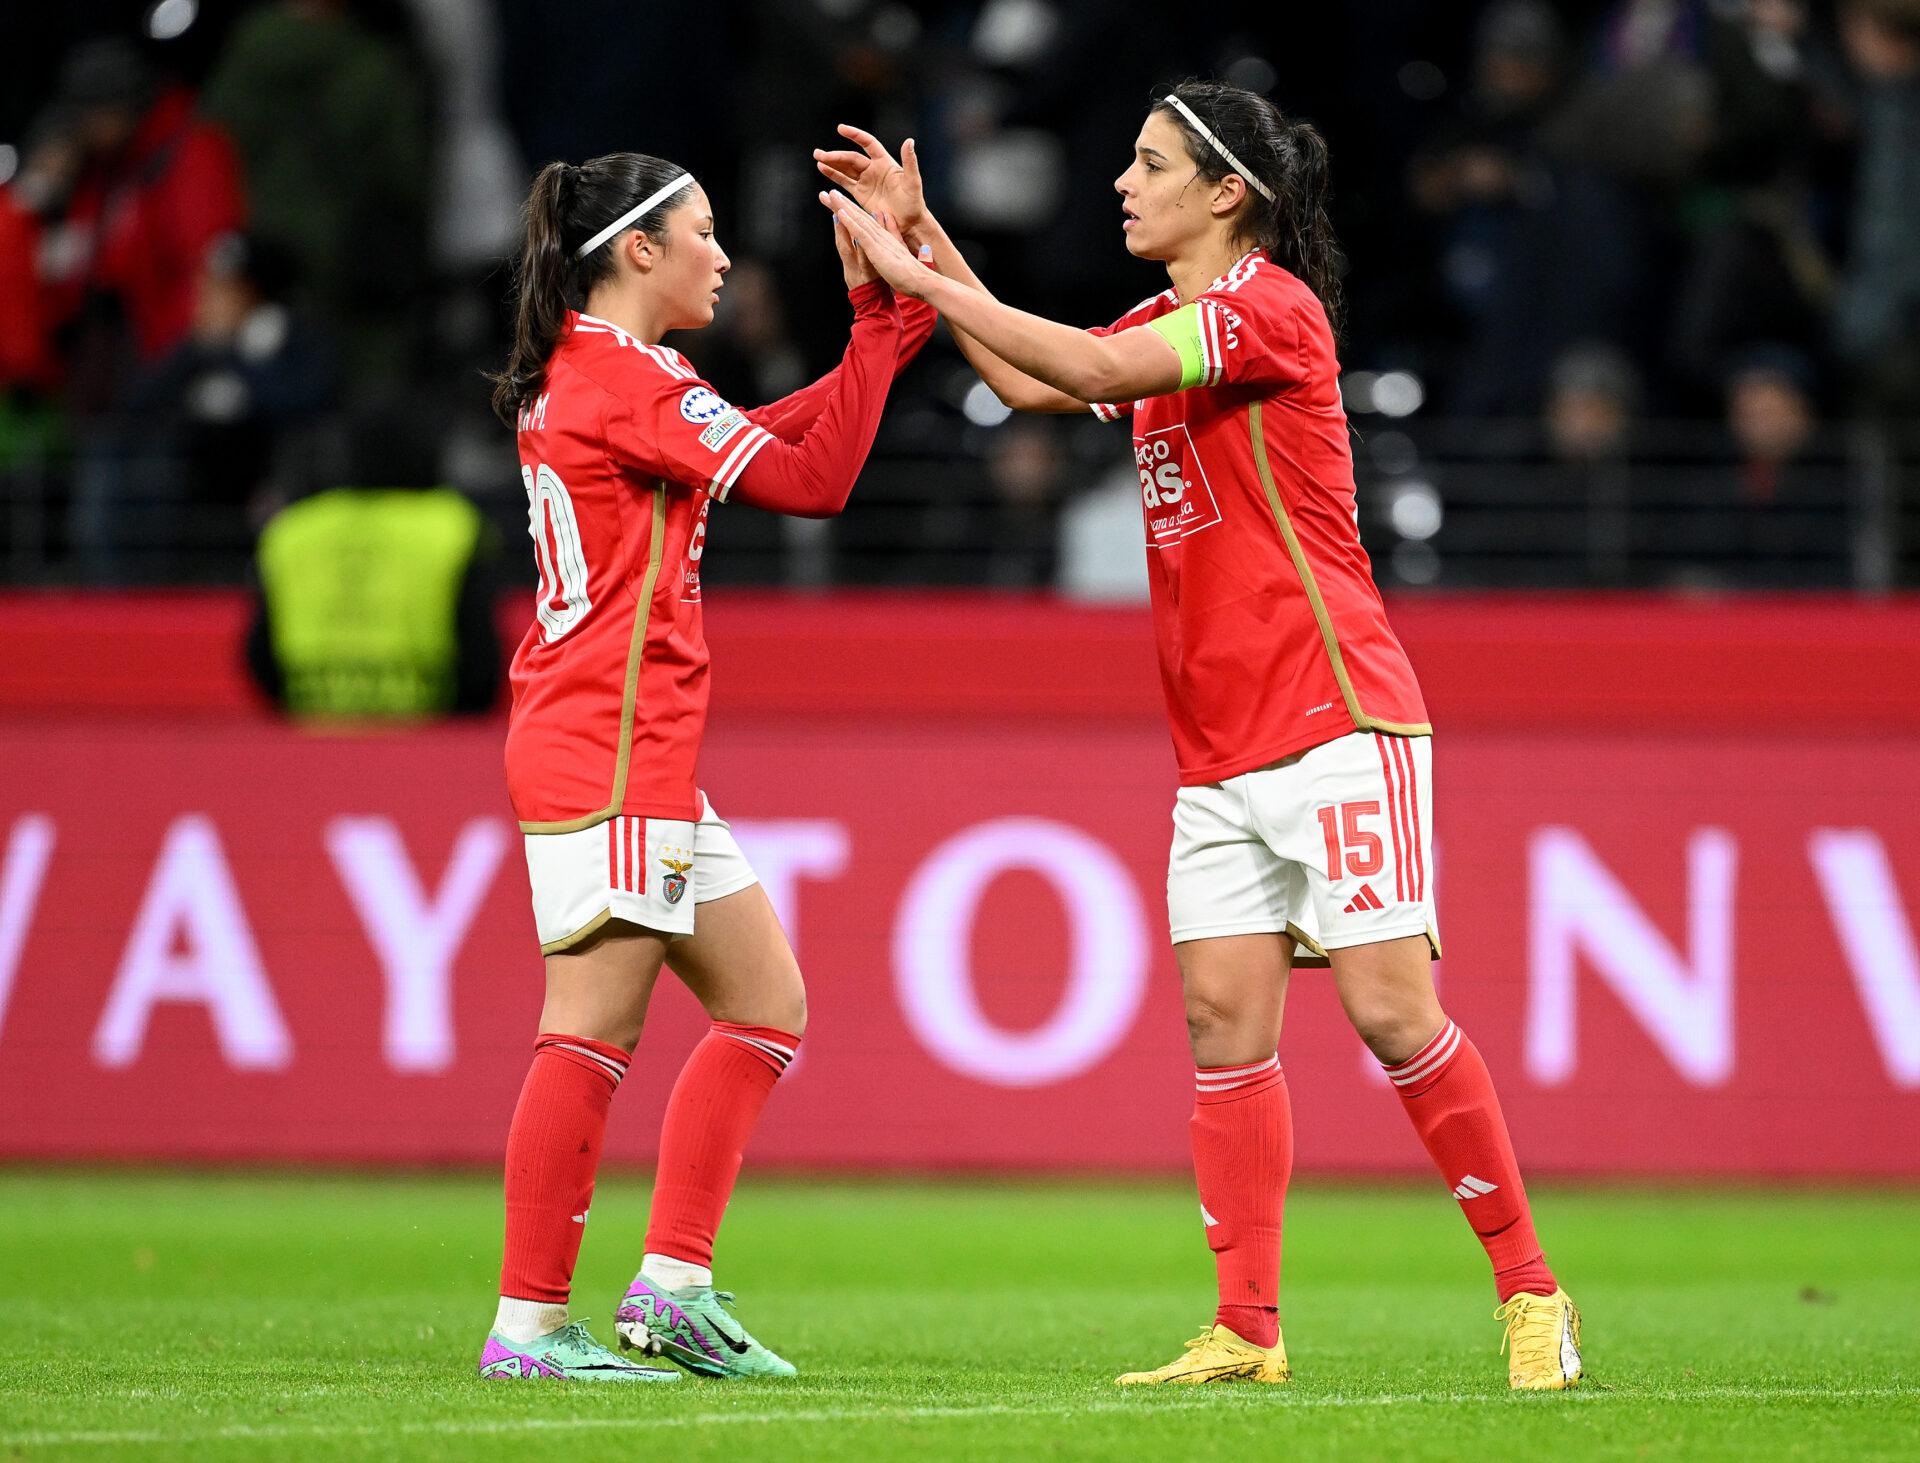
x: 1542, y: 1342
x: 1218, y: 1355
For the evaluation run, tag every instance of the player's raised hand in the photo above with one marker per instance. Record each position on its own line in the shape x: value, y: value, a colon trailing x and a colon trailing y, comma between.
x: 855, y: 267
x: 886, y: 252
x: 874, y: 180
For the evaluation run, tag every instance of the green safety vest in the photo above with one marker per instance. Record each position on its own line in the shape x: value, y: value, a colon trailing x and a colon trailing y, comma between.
x: 362, y: 587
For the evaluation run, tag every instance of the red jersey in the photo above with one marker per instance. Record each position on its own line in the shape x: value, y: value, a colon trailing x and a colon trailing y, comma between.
x: 1271, y: 634
x: 623, y: 452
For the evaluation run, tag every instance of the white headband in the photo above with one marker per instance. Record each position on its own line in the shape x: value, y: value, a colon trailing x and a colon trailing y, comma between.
x: 1220, y: 147
x: 639, y: 210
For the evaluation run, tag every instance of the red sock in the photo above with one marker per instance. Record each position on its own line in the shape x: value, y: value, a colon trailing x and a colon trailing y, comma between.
x: 553, y: 1149
x: 1242, y: 1130
x: 1449, y: 1095
x: 710, y: 1115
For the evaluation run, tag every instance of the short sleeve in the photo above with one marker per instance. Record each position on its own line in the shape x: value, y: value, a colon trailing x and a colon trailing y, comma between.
x: 1114, y: 411
x: 1228, y: 339
x: 679, y: 426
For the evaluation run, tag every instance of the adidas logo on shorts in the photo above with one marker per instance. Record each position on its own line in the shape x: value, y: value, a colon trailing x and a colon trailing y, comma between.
x: 1365, y: 900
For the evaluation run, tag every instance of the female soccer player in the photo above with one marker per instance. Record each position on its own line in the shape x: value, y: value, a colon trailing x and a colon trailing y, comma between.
x: 624, y: 450
x: 1303, y: 826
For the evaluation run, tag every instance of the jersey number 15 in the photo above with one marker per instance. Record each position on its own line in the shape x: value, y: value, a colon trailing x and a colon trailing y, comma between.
x: 1364, y: 852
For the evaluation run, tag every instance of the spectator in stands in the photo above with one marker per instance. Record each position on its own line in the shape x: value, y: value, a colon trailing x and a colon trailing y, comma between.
x: 1592, y: 396
x: 331, y: 124
x: 377, y: 603
x: 1877, y: 322
x: 1027, y: 473
x: 1789, y: 524
x: 199, y: 431
x: 1100, y: 533
x: 1756, y: 272
x: 1770, y: 413
x: 1486, y: 177
x: 126, y: 187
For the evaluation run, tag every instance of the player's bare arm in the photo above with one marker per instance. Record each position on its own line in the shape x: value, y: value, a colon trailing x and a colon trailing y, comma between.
x: 881, y: 185
x: 1134, y: 363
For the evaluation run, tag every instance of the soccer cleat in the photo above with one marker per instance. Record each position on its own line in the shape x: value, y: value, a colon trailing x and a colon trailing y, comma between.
x: 1542, y: 1342
x: 568, y: 1355
x: 694, y: 1328
x: 1219, y: 1355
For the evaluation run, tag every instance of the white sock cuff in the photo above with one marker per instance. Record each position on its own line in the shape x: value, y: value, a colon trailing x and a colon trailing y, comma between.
x: 521, y: 1321
x: 671, y: 1274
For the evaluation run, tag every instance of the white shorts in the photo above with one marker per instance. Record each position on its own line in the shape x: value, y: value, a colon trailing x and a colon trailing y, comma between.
x: 1333, y: 846
x: 647, y: 871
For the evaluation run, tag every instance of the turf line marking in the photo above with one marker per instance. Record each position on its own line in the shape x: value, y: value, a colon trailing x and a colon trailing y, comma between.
x: 241, y: 1432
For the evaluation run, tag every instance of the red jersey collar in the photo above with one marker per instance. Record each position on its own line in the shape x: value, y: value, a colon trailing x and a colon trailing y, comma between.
x: 1234, y: 268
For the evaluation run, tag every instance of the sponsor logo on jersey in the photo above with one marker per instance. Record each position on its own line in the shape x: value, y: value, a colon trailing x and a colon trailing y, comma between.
x: 700, y: 405
x: 722, y: 427
x: 1173, y: 486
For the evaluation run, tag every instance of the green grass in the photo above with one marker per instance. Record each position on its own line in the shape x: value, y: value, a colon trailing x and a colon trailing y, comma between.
x: 239, y: 1317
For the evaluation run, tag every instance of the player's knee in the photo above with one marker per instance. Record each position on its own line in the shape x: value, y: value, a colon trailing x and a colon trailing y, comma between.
x: 783, y: 1005
x: 1214, y: 1025
x: 796, y: 1021
x: 1393, y: 1032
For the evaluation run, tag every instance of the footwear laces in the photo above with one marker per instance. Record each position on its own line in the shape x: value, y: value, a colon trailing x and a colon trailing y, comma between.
x: 576, y: 1336
x: 1532, y: 1324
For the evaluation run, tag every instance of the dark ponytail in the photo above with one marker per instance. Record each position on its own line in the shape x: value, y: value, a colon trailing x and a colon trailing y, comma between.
x: 565, y: 207
x: 1291, y: 159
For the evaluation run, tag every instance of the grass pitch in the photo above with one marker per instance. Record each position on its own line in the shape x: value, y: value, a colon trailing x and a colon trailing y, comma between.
x: 241, y: 1317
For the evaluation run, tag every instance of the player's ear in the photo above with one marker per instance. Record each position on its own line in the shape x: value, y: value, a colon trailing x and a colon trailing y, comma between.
x: 640, y: 252
x: 1228, y: 194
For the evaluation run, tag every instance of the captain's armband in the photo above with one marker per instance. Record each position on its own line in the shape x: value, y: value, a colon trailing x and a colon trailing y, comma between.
x: 1184, y: 330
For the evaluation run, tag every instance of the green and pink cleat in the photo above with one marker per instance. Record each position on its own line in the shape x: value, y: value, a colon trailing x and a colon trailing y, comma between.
x: 568, y: 1355
x: 695, y: 1328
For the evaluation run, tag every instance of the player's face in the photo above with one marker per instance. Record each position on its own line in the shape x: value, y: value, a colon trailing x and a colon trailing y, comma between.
x: 1162, y: 198
x: 691, y: 270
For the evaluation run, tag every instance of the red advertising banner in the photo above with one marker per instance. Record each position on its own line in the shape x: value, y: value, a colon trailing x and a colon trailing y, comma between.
x: 221, y: 938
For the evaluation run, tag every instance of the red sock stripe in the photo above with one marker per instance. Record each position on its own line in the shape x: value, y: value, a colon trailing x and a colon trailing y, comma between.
x: 596, y: 1056
x: 1393, y: 818
x: 1233, y: 1079
x: 1404, y: 746
x: 1430, y: 1060
x: 774, y: 1045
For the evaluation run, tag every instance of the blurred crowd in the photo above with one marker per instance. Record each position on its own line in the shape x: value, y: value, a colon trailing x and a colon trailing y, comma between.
x: 251, y: 251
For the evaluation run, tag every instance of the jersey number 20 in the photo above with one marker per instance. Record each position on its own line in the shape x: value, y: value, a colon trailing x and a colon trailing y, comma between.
x: 556, y: 544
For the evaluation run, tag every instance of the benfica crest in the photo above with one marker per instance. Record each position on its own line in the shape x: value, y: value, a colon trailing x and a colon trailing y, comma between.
x: 675, y: 884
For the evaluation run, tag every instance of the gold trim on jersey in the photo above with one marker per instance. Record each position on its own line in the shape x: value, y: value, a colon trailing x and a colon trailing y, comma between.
x: 630, y: 695
x: 1360, y: 719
